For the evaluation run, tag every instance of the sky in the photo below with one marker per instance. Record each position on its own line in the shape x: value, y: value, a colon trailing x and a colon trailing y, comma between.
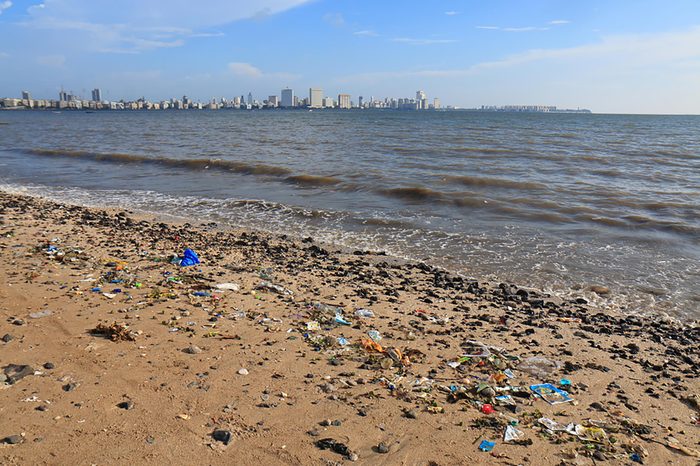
x: 611, y: 56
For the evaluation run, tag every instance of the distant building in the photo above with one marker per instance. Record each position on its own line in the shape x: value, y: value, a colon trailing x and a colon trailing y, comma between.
x: 344, y: 101
x: 273, y: 101
x: 26, y: 95
x: 360, y: 101
x: 97, y: 95
x: 421, y: 100
x: 250, y: 98
x: 328, y: 102
x: 287, y: 98
x: 315, y: 98
x: 436, y: 103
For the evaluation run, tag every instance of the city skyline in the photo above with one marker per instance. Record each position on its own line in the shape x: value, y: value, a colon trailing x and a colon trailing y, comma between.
x: 639, y: 56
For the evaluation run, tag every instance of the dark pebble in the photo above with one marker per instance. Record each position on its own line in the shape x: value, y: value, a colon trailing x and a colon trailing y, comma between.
x: 383, y: 448
x: 410, y: 414
x: 337, y: 423
x: 7, y: 338
x: 49, y: 365
x: 13, y: 439
x: 126, y: 405
x: 223, y: 436
x: 69, y: 387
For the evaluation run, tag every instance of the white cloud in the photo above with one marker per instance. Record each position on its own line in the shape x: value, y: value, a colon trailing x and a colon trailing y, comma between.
x: 4, y: 55
x: 54, y: 61
x: 132, y: 26
x: 513, y: 29
x: 244, y: 69
x: 5, y: 5
x: 490, y: 28
x: 559, y: 21
x: 413, y: 41
x: 365, y: 33
x: 452, y: 13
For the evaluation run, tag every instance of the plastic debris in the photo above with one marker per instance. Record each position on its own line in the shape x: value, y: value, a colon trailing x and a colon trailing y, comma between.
x: 313, y: 326
x: 189, y: 258
x: 340, y: 320
x: 364, y: 313
x: 40, y: 314
x: 475, y: 349
x: 486, y: 446
x: 512, y: 434
x: 538, y: 366
x: 269, y: 286
x: 115, y: 332
x: 551, y: 394
x: 487, y: 409
x: 374, y: 335
x: 227, y: 287
x: 552, y: 425
x: 342, y: 341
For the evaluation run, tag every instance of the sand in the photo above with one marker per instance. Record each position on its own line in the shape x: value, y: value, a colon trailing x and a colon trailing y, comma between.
x: 200, y: 375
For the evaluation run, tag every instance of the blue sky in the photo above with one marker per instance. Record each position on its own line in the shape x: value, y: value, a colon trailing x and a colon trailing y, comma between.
x: 629, y: 56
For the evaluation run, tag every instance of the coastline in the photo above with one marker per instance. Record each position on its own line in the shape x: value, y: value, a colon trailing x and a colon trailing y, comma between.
x: 636, y: 377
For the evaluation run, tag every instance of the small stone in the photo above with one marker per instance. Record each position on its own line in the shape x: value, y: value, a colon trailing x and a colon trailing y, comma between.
x: 13, y: 439
x: 411, y: 414
x: 69, y: 387
x: 192, y: 349
x: 7, y: 338
x: 314, y: 432
x: 353, y: 457
x: 243, y: 371
x: 16, y: 372
x: 127, y: 405
x: 599, y: 455
x: 223, y: 436
x: 337, y: 423
x: 49, y: 365
x: 3, y: 378
x: 328, y: 388
x: 383, y: 448
x: 17, y: 322
x: 42, y: 408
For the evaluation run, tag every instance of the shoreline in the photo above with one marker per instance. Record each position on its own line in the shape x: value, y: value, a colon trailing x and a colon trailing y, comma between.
x: 637, y: 377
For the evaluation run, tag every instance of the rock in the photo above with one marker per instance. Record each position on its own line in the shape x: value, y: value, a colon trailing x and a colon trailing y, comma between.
x: 337, y: 423
x: 328, y: 388
x: 382, y: 448
x: 13, y: 439
x: 42, y: 408
x: 325, y: 423
x: 192, y: 349
x: 127, y: 405
x: 49, y: 366
x: 353, y: 457
x: 69, y: 387
x: 221, y: 435
x: 7, y: 338
x: 314, y: 432
x: 3, y: 377
x: 599, y: 455
x: 410, y: 414
x: 16, y: 372
x: 243, y: 371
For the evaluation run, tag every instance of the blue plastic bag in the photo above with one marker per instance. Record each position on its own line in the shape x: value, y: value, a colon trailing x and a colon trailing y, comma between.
x: 189, y: 257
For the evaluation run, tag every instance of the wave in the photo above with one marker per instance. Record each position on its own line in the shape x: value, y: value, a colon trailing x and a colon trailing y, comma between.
x: 313, y: 180
x: 494, y: 182
x: 192, y: 164
x: 414, y: 194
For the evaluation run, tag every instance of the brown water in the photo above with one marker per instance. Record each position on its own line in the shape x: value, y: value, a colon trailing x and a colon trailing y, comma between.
x: 552, y: 201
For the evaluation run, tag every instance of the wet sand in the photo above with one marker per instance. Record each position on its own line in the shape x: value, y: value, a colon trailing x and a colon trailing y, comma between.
x: 195, y: 374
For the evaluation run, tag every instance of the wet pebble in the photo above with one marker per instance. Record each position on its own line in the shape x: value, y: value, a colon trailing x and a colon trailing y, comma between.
x: 13, y: 439
x: 7, y: 338
x: 382, y: 448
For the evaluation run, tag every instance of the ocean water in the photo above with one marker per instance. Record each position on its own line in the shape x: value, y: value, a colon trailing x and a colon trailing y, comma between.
x: 558, y: 202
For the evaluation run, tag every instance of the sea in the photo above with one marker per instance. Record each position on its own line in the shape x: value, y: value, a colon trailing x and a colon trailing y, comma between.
x: 556, y: 202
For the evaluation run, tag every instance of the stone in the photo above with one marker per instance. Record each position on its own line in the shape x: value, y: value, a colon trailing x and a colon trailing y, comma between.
x: 127, y: 405
x: 243, y: 371
x: 382, y: 448
x: 69, y: 387
x: 223, y: 436
x: 7, y: 338
x: 353, y: 457
x: 192, y: 349
x: 13, y: 439
x: 49, y: 366
x: 16, y: 372
x: 337, y: 423
x: 410, y: 414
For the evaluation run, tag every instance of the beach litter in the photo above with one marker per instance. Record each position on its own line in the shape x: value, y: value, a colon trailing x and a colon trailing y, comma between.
x: 115, y: 332
x: 486, y: 446
x: 550, y: 393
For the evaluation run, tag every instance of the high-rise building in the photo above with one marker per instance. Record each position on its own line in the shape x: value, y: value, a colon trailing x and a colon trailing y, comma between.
x: 97, y: 95
x: 250, y: 98
x: 315, y: 98
x: 436, y: 103
x: 273, y: 101
x: 26, y: 95
x: 328, y: 102
x: 344, y: 101
x: 421, y: 100
x: 360, y: 101
x: 287, y: 98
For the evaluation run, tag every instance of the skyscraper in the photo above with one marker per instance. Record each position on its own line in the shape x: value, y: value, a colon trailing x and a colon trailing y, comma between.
x: 343, y: 100
x: 315, y: 98
x: 436, y: 103
x: 250, y: 98
x: 26, y: 95
x: 287, y: 98
x: 421, y: 100
x: 360, y: 101
x: 97, y: 95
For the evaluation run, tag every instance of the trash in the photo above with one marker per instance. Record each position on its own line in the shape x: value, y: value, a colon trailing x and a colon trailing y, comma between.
x: 342, y: 341
x: 40, y: 314
x: 505, y: 400
x: 340, y: 320
x: 203, y: 294
x: 227, y: 287
x: 475, y: 349
x: 313, y: 326
x: 189, y: 258
x: 512, y: 434
x: 551, y: 394
x: 279, y: 289
x: 538, y: 366
x: 375, y: 335
x: 565, y: 382
x: 370, y: 345
x: 487, y: 409
x: 109, y: 295
x: 364, y: 313
x: 636, y: 458
x: 115, y: 332
x: 486, y: 446
x: 552, y: 425
x: 590, y: 434
x: 509, y: 373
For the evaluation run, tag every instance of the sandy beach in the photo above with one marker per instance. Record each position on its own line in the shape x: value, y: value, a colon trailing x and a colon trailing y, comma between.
x: 278, y: 350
